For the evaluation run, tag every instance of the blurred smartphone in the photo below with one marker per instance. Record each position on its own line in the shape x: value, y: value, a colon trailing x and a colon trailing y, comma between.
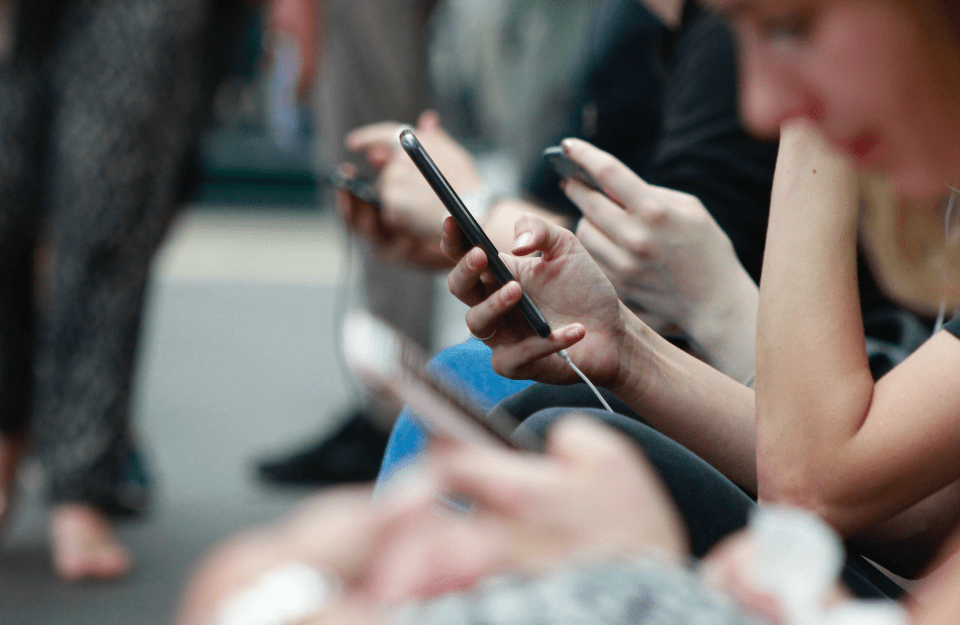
x: 390, y: 364
x: 357, y: 187
x: 567, y: 168
x: 470, y: 228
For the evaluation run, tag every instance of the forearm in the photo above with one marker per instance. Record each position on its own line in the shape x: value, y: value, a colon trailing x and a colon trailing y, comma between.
x: 908, y: 543
x: 813, y: 381
x: 725, y: 329
x: 690, y: 401
x: 937, y: 600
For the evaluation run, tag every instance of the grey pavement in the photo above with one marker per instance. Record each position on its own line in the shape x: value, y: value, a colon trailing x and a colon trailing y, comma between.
x: 237, y: 361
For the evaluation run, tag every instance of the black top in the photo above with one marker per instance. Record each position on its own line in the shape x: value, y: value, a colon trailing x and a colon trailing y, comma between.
x: 953, y: 326
x: 665, y: 103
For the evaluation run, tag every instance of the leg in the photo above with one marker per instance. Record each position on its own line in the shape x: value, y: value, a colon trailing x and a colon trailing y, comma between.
x: 361, y: 83
x: 23, y: 119
x: 539, y: 397
x: 711, y: 505
x: 127, y: 94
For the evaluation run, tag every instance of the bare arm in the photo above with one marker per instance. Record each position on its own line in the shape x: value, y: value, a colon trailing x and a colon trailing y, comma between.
x: 678, y: 394
x: 691, y: 402
x: 828, y: 438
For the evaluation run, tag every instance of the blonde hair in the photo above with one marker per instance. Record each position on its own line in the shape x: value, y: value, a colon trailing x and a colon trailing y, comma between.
x: 914, y: 249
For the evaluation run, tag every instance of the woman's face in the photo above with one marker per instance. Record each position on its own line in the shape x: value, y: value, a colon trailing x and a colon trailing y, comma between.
x: 881, y: 78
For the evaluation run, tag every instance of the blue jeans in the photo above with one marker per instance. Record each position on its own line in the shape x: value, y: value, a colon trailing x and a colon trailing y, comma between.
x: 466, y: 367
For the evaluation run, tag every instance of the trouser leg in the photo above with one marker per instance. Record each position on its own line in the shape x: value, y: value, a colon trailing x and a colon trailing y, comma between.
x: 22, y: 122
x: 362, y: 83
x: 127, y: 87
x: 711, y: 506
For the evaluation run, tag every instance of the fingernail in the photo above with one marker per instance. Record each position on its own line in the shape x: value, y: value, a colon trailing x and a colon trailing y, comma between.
x: 575, y: 332
x: 474, y: 258
x: 523, y: 240
x: 567, y: 144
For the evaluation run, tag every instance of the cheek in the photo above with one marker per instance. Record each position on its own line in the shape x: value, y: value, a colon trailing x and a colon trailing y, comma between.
x: 878, y: 73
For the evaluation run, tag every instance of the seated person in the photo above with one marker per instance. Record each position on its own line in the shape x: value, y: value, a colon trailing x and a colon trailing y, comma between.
x: 618, y: 556
x: 691, y: 264
x: 685, y: 138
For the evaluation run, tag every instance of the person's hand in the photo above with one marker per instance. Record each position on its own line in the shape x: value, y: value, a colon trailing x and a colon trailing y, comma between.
x: 660, y: 248
x: 577, y: 300
x: 730, y: 567
x: 408, y: 200
x: 590, y: 496
x: 665, y: 254
x: 335, y: 533
x: 392, y: 243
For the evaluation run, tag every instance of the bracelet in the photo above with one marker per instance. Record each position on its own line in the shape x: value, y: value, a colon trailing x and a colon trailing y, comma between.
x: 480, y: 202
x: 284, y: 595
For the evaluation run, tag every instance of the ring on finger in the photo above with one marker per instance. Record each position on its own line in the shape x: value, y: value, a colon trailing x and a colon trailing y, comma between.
x: 482, y: 338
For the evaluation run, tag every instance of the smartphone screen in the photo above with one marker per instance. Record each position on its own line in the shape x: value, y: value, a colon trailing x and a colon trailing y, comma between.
x: 470, y: 228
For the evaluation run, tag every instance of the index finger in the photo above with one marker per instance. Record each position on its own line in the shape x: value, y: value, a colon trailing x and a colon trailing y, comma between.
x: 604, y: 214
x: 618, y: 180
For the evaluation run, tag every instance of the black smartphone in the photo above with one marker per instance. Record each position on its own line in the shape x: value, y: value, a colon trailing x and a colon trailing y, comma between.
x: 470, y: 228
x: 357, y: 187
x: 567, y: 168
x: 393, y: 366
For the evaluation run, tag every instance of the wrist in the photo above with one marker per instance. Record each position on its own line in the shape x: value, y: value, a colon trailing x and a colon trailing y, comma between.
x: 724, y: 327
x: 480, y: 201
x: 637, y: 353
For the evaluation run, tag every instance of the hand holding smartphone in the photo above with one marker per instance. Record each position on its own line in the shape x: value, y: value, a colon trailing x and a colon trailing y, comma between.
x: 470, y: 228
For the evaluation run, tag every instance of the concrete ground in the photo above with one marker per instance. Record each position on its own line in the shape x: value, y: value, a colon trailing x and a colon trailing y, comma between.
x: 237, y: 361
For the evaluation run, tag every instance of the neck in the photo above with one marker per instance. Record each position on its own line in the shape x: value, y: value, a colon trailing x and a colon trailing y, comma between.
x: 668, y: 11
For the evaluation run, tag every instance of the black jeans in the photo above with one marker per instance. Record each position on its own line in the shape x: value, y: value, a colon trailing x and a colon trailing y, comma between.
x: 711, y: 505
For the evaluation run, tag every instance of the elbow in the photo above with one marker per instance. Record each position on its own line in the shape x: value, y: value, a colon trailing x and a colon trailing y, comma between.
x: 804, y: 488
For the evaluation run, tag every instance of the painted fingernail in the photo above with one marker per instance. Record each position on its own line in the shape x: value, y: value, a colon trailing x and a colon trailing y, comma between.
x: 523, y: 240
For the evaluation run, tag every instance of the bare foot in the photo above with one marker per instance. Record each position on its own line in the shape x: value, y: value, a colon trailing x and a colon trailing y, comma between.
x: 84, y: 545
x: 12, y: 447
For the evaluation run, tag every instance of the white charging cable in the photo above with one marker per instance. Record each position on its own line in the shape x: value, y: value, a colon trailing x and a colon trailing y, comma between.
x: 947, y: 218
x: 566, y: 358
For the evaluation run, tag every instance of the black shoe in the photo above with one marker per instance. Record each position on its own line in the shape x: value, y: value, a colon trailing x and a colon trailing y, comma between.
x: 352, y: 454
